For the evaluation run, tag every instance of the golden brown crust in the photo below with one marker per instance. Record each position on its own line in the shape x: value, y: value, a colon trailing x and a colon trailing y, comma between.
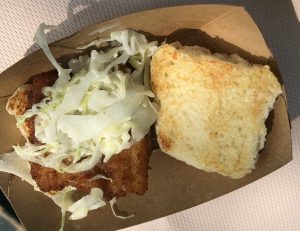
x: 39, y: 82
x: 28, y: 127
x: 35, y: 96
x: 48, y: 179
x: 25, y: 97
x: 19, y: 102
x: 128, y: 170
x: 165, y: 141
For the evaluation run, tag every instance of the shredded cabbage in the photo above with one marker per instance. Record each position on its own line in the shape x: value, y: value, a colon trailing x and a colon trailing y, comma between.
x: 13, y: 164
x: 89, y: 202
x: 64, y: 200
x: 117, y: 212
x: 80, y: 208
x: 99, y: 176
x: 99, y: 111
x: 102, y: 109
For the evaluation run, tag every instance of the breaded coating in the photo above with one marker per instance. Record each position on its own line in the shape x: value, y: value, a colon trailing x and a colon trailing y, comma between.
x: 127, y: 171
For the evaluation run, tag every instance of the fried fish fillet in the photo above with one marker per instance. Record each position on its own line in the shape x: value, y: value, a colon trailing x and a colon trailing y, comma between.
x: 213, y: 108
x: 128, y: 170
x: 128, y: 173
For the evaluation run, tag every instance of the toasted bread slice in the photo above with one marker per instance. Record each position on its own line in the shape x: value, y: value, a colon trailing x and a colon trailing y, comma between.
x: 128, y: 170
x: 213, y: 108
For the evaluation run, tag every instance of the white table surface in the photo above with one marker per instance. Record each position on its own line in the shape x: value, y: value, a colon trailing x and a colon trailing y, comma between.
x: 271, y: 203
